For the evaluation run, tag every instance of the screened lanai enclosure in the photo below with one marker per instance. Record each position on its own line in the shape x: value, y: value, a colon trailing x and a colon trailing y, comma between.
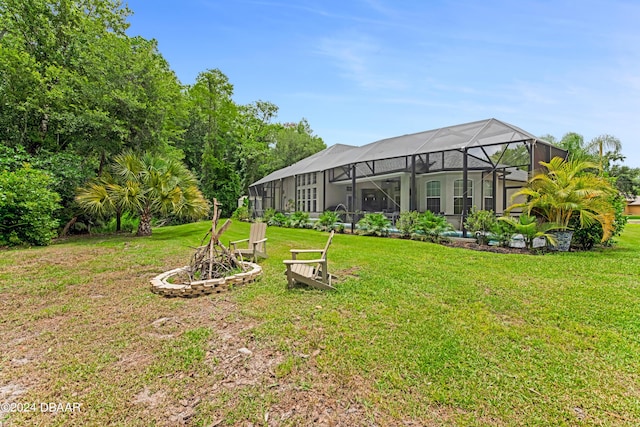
x: 447, y: 171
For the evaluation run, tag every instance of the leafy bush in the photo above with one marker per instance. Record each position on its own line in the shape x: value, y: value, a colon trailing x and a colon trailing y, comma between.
x: 327, y: 221
x: 406, y: 223
x: 27, y: 207
x: 299, y: 219
x: 588, y: 236
x: 278, y: 219
x: 268, y: 214
x: 241, y: 213
x: 481, y: 224
x: 431, y: 227
x: 374, y: 224
x: 503, y: 232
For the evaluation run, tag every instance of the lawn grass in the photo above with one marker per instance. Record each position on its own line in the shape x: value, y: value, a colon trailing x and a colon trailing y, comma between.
x: 416, y: 334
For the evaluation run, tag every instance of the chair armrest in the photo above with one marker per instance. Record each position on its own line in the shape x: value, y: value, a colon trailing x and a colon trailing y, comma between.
x: 303, y: 251
x: 260, y: 241
x: 238, y: 241
x: 304, y: 261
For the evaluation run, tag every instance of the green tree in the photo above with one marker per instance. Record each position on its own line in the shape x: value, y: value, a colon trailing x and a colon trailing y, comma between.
x: 575, y: 145
x: 43, y: 60
x: 607, y: 149
x: 211, y: 144
x: 627, y: 180
x: 256, y: 134
x: 146, y: 185
x: 294, y: 142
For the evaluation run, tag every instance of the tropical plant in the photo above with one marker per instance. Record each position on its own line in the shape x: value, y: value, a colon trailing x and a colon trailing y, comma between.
x: 145, y: 185
x: 481, y: 223
x: 530, y: 228
x: 431, y: 227
x: 374, y: 224
x: 568, y: 189
x: 298, y: 219
x: 406, y: 223
x: 327, y: 221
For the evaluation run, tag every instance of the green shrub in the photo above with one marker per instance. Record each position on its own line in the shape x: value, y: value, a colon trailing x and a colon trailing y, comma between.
x: 327, y: 221
x: 241, y: 213
x: 278, y: 219
x: 268, y: 214
x: 406, y: 223
x: 374, y: 224
x: 299, y: 219
x: 431, y: 227
x: 503, y: 232
x: 481, y: 224
x: 587, y: 237
x: 27, y: 207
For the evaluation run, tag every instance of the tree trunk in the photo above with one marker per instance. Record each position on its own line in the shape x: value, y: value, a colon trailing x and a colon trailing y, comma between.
x: 144, y: 228
x: 118, y: 221
x: 66, y: 228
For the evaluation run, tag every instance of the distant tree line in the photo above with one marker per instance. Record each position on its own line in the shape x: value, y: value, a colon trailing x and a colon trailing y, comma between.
x: 76, y: 92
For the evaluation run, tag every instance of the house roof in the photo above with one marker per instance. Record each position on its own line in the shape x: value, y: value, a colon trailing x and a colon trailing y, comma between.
x: 467, y: 135
x: 634, y: 202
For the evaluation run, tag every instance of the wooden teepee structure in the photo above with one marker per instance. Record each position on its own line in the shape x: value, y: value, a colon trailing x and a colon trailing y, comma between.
x: 214, y: 260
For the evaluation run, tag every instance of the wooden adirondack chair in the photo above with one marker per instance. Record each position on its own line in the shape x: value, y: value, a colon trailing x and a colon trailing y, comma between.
x: 311, y: 272
x: 257, y: 243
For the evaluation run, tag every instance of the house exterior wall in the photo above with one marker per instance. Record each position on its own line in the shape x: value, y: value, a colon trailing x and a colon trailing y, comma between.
x: 632, y: 209
x: 479, y: 191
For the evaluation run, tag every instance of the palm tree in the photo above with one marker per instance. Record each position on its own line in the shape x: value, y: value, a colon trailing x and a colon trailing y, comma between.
x: 609, y: 142
x: 568, y: 189
x: 145, y: 185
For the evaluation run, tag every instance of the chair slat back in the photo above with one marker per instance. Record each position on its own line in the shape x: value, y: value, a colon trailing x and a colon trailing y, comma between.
x: 257, y: 232
x: 326, y: 248
x: 323, y: 256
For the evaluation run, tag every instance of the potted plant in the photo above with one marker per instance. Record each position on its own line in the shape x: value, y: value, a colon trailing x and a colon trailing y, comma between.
x: 566, y: 190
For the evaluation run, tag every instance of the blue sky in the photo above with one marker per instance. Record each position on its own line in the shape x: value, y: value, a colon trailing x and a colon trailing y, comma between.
x: 364, y: 70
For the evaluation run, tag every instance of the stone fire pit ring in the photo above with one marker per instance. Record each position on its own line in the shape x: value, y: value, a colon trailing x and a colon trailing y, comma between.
x: 160, y: 284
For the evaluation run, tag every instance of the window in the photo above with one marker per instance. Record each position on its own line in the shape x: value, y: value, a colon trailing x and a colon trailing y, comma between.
x: 458, y: 190
x: 433, y: 196
x: 487, y: 190
x: 315, y: 199
x: 307, y: 200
